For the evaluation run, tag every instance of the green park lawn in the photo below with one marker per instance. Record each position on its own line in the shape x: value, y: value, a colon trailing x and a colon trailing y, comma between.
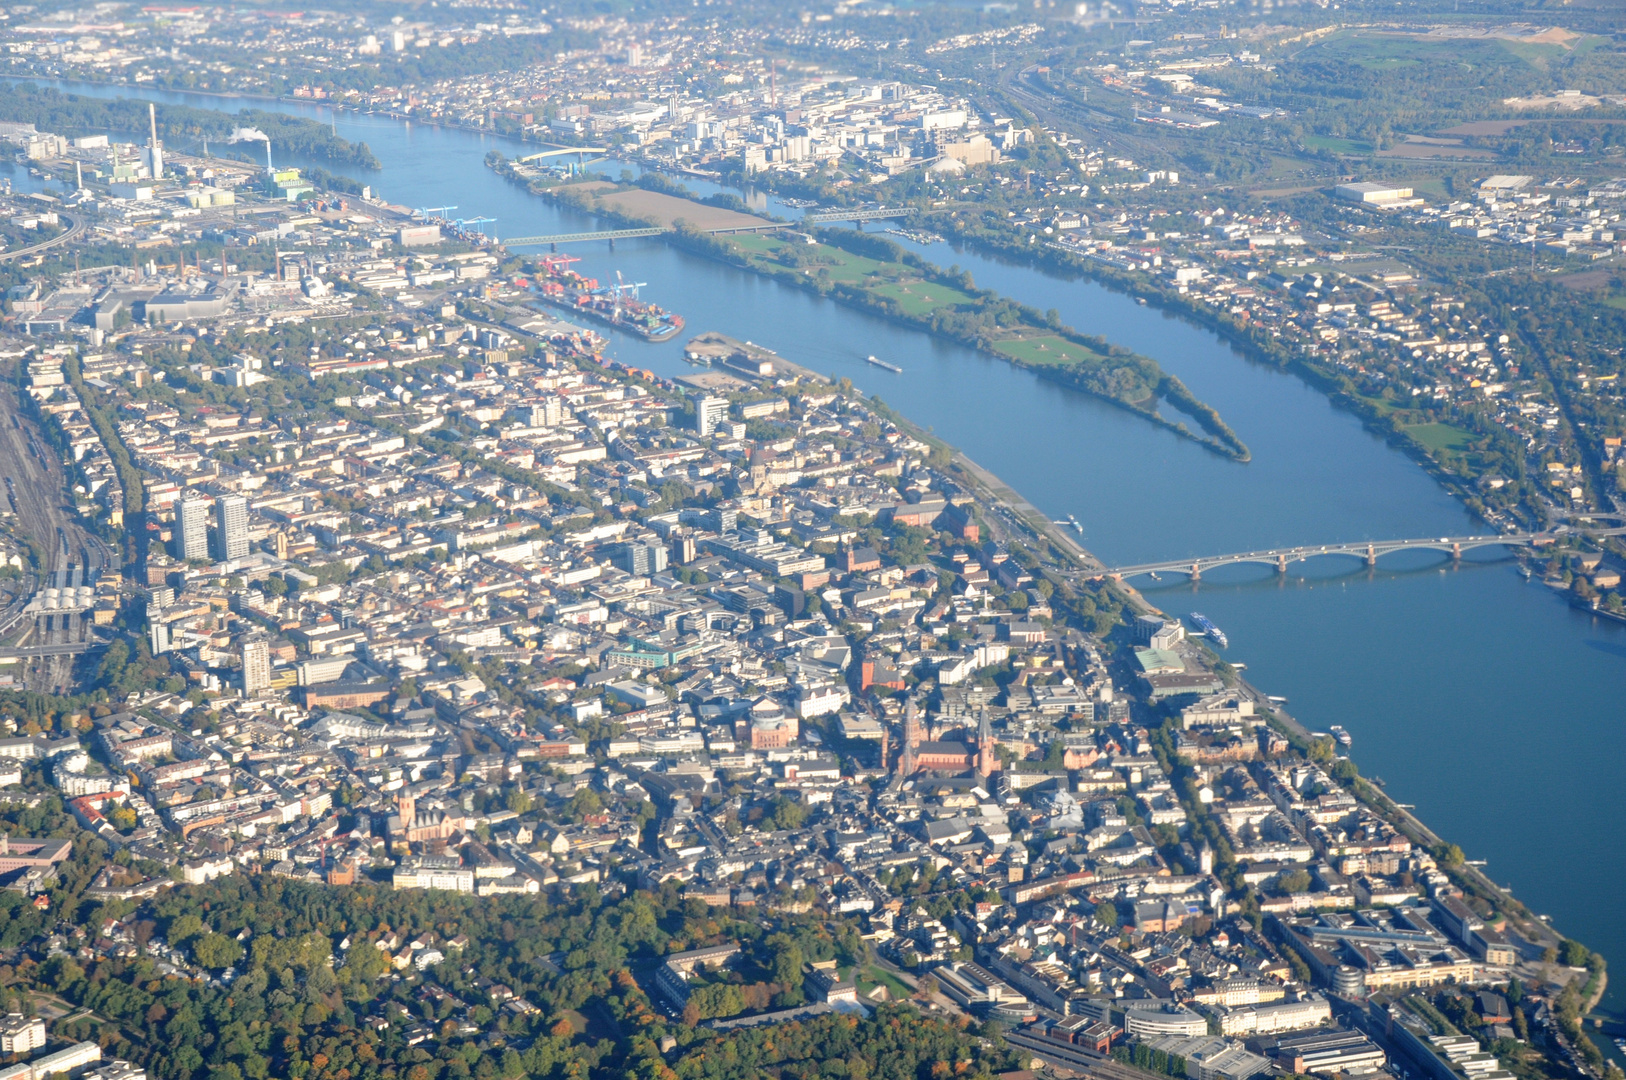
x: 1440, y: 436
x: 871, y: 977
x: 842, y: 266
x: 1050, y: 349
x: 916, y: 297
x: 1337, y: 145
x: 922, y: 297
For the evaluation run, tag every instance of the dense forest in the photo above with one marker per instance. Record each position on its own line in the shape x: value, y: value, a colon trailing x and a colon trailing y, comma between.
x: 74, y: 115
x: 314, y: 999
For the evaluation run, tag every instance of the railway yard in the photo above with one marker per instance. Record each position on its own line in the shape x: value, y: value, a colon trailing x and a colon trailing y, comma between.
x: 42, y: 644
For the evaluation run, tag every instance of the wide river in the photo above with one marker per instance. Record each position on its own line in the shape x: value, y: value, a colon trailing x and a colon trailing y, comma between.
x: 1480, y: 698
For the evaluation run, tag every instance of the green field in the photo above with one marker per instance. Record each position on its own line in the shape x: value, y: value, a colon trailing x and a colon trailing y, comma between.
x: 841, y: 265
x: 1383, y: 407
x: 1381, y: 51
x: 758, y: 243
x: 914, y: 295
x: 923, y: 297
x: 1377, y: 51
x: 871, y: 977
x: 1440, y: 436
x: 1053, y: 350
x: 1294, y: 169
x: 1432, y: 187
x: 1336, y: 145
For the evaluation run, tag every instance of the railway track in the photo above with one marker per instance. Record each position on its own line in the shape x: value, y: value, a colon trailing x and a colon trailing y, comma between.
x: 36, y: 486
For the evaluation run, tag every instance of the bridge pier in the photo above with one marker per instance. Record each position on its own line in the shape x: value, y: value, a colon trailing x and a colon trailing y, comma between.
x: 1367, y: 551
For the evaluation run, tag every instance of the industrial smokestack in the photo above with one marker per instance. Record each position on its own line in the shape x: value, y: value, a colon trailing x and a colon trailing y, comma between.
x: 153, y: 156
x: 248, y: 134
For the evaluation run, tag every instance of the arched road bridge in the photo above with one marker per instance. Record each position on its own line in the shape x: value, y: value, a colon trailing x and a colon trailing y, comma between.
x: 1370, y: 551
x: 565, y: 151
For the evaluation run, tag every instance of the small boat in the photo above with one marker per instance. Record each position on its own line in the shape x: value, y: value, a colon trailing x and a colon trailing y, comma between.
x: 1342, y: 736
x: 878, y: 362
x: 1275, y: 699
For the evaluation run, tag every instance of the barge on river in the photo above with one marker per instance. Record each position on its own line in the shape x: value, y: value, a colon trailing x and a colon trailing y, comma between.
x: 1212, y: 632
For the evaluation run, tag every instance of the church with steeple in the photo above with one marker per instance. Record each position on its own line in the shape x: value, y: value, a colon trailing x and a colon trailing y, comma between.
x: 968, y: 754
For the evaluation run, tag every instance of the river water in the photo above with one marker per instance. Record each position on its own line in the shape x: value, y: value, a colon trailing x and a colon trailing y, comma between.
x: 1480, y: 698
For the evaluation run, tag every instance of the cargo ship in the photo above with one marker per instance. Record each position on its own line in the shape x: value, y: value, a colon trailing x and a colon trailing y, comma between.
x: 1209, y: 630
x: 616, y: 305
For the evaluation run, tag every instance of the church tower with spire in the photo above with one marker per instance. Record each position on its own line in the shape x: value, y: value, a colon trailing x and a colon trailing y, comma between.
x: 987, y: 761
x: 911, y: 740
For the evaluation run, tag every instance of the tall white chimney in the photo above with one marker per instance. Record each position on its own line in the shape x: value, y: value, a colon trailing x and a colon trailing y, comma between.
x: 153, y: 156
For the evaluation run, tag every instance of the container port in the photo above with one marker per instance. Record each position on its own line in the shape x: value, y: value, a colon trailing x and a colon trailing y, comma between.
x: 616, y: 305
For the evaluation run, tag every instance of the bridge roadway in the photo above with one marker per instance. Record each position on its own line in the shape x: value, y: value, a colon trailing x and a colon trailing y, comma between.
x: 76, y: 229
x: 820, y: 217
x: 564, y: 151
x: 1370, y: 551
x: 627, y: 234
x: 566, y: 238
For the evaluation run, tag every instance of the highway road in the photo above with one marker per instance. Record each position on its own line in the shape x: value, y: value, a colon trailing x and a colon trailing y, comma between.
x: 1018, y: 517
x: 76, y: 228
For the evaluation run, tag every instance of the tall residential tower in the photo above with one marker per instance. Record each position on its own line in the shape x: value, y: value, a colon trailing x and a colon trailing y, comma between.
x: 231, y: 526
x: 256, y: 656
x: 191, y: 533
